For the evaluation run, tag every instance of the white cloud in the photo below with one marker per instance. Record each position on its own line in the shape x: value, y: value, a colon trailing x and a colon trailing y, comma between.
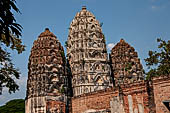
x: 110, y: 46
x: 5, y: 97
x: 22, y: 80
x: 153, y: 7
x: 159, y: 4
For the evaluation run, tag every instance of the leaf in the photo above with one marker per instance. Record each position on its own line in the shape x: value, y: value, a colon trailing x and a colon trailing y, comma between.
x: 159, y: 62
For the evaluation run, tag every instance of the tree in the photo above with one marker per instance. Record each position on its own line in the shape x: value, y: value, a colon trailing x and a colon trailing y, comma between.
x: 159, y: 62
x: 10, y: 33
x: 13, y: 106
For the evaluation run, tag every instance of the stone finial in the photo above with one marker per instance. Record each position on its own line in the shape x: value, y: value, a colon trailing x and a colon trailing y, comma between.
x: 47, y: 33
x: 47, y: 29
x: 122, y: 40
x: 83, y: 7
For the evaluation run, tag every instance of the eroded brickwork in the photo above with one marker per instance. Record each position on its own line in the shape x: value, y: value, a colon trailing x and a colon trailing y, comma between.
x: 129, y: 98
x: 95, y: 101
x: 55, y: 107
x: 126, y: 65
x: 45, y: 73
x: 87, y: 54
x: 161, y: 86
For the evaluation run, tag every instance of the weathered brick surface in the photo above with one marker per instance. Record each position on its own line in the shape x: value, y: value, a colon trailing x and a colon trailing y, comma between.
x: 138, y: 93
x: 46, y: 73
x: 97, y: 101
x: 161, y: 88
x: 101, y: 100
x: 126, y: 66
x: 55, y: 107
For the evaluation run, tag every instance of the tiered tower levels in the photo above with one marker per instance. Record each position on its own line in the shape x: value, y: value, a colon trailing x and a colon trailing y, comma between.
x: 45, y: 73
x: 87, y: 54
x: 126, y: 65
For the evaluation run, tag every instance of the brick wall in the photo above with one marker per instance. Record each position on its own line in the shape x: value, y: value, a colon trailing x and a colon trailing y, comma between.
x: 93, y: 101
x: 55, y: 107
x: 136, y: 98
x: 161, y: 88
x: 129, y: 98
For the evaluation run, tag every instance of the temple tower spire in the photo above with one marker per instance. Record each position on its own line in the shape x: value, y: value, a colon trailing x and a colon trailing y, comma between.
x: 87, y: 54
x: 46, y: 75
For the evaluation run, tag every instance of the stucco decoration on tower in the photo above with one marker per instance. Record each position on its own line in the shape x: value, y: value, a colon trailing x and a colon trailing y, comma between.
x: 126, y: 65
x: 45, y: 74
x: 87, y: 54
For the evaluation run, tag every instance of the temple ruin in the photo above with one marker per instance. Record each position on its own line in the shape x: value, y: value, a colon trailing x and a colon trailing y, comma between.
x: 87, y: 80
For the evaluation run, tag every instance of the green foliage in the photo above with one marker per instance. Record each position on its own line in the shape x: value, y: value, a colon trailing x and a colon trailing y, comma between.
x: 159, y: 62
x: 13, y: 106
x: 66, y: 44
x: 83, y: 62
x: 101, y: 24
x: 62, y: 90
x: 128, y: 66
x: 63, y: 56
x: 103, y: 68
x: 104, y: 39
x: 104, y: 51
x: 7, y: 72
x: 10, y: 31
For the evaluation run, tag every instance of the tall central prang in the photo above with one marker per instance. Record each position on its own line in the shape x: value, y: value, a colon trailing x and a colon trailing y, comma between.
x: 87, y: 54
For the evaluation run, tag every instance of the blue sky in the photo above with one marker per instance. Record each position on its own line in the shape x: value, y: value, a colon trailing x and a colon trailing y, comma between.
x: 139, y: 22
